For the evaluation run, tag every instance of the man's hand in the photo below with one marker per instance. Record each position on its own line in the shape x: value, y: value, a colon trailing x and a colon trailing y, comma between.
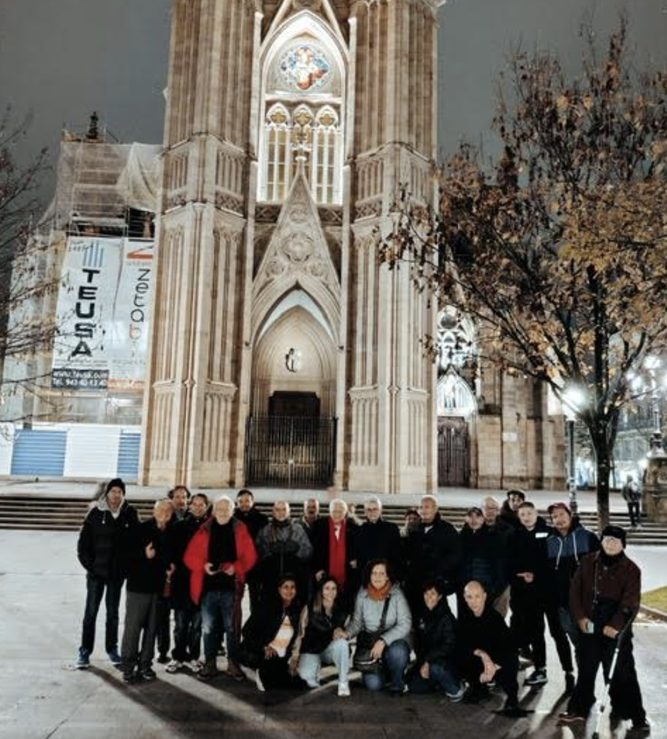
x: 583, y: 625
x: 150, y: 550
x: 610, y: 631
x: 319, y: 575
x: 425, y: 671
x: 209, y: 569
x: 526, y: 576
x: 378, y: 648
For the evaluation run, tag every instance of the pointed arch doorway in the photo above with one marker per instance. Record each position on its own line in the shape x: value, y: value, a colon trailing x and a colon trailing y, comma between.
x: 291, y: 431
x: 456, y: 404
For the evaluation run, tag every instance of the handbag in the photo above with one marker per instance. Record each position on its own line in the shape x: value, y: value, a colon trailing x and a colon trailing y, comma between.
x: 363, y: 660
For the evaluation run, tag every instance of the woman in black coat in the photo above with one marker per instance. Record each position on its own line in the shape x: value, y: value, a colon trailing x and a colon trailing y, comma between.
x: 435, y: 645
x: 268, y: 638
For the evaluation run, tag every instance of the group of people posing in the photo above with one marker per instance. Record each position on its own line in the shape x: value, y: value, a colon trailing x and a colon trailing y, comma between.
x: 364, y: 595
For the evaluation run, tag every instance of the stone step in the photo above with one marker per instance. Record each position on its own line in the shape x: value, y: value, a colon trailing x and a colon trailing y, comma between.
x: 66, y: 514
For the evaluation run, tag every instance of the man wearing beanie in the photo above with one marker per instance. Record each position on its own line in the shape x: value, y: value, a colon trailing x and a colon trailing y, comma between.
x: 604, y: 598
x: 102, y: 550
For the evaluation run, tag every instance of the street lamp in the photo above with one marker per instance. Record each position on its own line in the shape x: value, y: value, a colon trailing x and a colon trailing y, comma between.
x: 652, y: 363
x: 573, y: 400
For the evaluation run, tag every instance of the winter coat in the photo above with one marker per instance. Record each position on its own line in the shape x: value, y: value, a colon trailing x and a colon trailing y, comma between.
x: 196, y: 556
x: 483, y: 558
x: 104, y: 540
x: 435, y: 635
x: 435, y: 553
x: 320, y: 538
x: 263, y: 625
x: 282, y: 548
x: 254, y: 519
x: 181, y: 535
x: 380, y: 540
x: 605, y: 590
x: 149, y: 575
x: 529, y: 554
x: 564, y: 554
x: 368, y: 614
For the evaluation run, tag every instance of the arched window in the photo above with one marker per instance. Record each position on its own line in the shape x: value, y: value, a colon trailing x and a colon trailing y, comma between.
x: 303, y: 100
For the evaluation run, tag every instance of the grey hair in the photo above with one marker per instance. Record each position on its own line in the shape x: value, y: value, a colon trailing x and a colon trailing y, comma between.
x: 338, y: 501
x: 373, y: 499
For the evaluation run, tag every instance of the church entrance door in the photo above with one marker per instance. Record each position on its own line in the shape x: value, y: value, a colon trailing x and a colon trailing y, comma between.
x: 453, y: 452
x: 293, y: 446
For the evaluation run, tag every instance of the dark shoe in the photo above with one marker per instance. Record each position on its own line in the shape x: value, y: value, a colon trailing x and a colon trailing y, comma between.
x: 398, y: 692
x: 129, y: 677
x: 570, y: 682
x: 114, y: 658
x: 537, y: 678
x: 163, y: 659
x: 234, y: 671
x: 147, y: 674
x: 209, y: 671
x: 513, y: 710
x: 568, y: 717
x: 83, y: 660
x: 639, y: 728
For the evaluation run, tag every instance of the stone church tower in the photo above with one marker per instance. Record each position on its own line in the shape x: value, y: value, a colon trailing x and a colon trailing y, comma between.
x: 283, y: 354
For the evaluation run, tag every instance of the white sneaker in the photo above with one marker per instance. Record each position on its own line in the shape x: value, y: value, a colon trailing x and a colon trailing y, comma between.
x: 174, y: 666
x: 195, y: 666
x: 312, y: 684
x: 343, y: 690
x: 259, y: 683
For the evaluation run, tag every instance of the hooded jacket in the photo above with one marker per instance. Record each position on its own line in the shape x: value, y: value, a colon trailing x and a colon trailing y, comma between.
x: 435, y: 635
x: 564, y: 553
x: 104, y: 540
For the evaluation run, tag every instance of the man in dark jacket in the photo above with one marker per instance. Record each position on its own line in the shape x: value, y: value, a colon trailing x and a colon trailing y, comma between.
x: 333, y: 540
x: 604, y: 598
x: 567, y: 544
x: 483, y: 556
x: 435, y: 553
x: 149, y: 576
x: 529, y: 597
x: 102, y: 550
x: 377, y: 538
x: 246, y: 512
x: 187, y: 614
x: 435, y: 647
x: 486, y: 652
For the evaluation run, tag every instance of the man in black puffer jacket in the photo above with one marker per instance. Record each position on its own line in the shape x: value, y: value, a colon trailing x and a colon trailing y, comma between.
x: 102, y: 550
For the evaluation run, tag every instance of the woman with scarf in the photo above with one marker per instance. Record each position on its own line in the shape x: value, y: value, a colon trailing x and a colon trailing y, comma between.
x: 268, y: 638
x: 382, y: 600
x: 316, y: 645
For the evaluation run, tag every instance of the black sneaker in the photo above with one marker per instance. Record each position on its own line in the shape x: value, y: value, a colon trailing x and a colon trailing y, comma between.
x: 147, y: 674
x: 163, y: 659
x: 129, y: 677
x: 537, y: 677
x: 639, y: 728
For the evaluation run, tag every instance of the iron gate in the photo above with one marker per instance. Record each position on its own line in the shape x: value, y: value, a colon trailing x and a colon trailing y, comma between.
x: 453, y: 452
x: 288, y: 451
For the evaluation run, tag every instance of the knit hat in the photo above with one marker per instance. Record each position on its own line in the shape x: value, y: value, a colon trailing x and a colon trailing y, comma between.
x: 616, y: 531
x: 115, y: 483
x: 559, y: 506
x: 516, y: 491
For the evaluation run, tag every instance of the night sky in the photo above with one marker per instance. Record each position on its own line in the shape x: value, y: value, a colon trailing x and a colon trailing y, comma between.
x: 61, y: 59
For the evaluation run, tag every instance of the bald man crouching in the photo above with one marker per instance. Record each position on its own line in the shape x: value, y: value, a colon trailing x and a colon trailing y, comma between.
x: 486, y: 649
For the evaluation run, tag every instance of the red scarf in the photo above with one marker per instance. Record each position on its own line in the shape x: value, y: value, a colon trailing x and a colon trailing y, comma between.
x: 337, y: 553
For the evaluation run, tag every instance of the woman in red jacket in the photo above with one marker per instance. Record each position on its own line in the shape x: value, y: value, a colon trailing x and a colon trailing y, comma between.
x: 219, y: 556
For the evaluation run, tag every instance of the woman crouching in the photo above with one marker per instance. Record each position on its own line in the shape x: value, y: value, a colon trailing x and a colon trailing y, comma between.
x: 316, y: 644
x: 381, y: 623
x: 268, y: 638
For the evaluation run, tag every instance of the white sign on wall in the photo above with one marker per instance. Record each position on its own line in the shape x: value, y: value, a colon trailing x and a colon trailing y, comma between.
x: 103, y: 315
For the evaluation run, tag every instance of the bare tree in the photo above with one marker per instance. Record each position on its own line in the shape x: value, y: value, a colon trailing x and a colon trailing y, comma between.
x: 558, y: 246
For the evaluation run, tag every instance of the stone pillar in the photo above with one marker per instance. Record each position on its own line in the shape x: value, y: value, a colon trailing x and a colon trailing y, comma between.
x: 655, y: 488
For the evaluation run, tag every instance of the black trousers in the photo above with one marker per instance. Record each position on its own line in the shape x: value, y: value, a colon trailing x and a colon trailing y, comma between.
x: 163, y: 620
x: 472, y: 667
x: 624, y: 692
x: 633, y: 512
x: 527, y: 623
x: 560, y: 638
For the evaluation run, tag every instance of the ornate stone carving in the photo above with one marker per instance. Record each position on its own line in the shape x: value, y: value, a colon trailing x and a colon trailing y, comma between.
x: 298, y: 247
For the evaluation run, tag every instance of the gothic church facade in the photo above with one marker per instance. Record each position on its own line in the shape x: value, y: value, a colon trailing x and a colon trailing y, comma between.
x: 282, y: 352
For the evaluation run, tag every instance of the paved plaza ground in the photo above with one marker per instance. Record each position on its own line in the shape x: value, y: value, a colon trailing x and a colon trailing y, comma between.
x: 41, y: 604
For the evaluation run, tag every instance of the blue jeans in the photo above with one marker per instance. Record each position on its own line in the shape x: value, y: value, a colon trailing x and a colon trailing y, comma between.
x: 95, y: 587
x: 217, y: 615
x: 442, y: 676
x: 394, y: 661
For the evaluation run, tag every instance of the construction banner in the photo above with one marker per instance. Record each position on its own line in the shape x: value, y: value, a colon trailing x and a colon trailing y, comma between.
x: 103, y: 315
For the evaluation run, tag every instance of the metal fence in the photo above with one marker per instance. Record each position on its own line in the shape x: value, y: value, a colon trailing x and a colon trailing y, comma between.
x: 288, y: 451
